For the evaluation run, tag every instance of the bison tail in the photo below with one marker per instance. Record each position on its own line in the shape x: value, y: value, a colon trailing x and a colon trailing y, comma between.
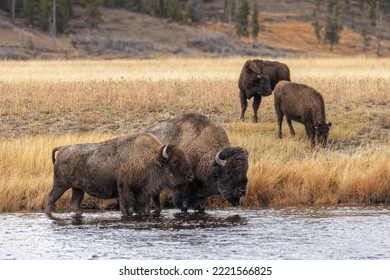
x: 53, y: 154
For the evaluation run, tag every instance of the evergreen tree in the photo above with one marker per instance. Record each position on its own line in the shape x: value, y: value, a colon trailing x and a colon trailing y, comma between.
x: 31, y: 12
x: 255, y: 23
x: 173, y: 10
x: 333, y: 26
x: 109, y: 3
x: 61, y: 17
x: 13, y: 7
x: 316, y: 23
x: 92, y: 15
x: 160, y: 8
x: 137, y: 6
x: 242, y: 23
x: 45, y: 14
x: 64, y: 13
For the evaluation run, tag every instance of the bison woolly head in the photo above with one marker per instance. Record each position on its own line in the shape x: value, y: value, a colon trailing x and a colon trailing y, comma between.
x: 322, y: 132
x: 176, y: 163
x: 229, y: 173
x: 255, y: 82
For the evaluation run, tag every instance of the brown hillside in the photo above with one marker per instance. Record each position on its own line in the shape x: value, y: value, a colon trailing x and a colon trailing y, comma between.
x: 285, y: 30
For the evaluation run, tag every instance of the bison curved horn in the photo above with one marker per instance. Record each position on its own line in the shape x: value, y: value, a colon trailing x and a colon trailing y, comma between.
x: 218, y: 160
x: 164, y: 152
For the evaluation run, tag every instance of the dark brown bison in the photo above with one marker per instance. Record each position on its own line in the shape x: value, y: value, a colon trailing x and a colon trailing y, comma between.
x: 131, y: 168
x: 303, y: 104
x: 258, y: 78
x: 217, y: 168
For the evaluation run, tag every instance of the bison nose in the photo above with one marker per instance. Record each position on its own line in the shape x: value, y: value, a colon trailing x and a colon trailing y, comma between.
x: 189, y: 178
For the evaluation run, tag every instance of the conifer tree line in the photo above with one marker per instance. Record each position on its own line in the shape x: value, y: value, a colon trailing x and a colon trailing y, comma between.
x: 39, y: 13
x: 329, y: 15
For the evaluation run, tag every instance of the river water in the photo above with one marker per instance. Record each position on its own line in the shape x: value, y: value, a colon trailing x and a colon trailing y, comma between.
x: 293, y: 233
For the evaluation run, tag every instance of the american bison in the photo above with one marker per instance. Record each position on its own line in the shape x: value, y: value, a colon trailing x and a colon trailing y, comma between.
x: 258, y: 78
x: 131, y: 168
x: 303, y: 104
x: 217, y: 168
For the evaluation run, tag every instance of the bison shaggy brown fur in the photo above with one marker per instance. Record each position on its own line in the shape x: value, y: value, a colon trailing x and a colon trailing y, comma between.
x: 258, y: 78
x: 303, y: 104
x: 131, y: 168
x: 217, y: 168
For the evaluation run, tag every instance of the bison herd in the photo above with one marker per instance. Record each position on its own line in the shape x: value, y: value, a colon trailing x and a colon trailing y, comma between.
x: 189, y: 155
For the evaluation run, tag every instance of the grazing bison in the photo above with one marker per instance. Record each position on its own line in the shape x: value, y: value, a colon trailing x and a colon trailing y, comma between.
x: 258, y: 78
x: 303, y: 104
x: 217, y: 168
x: 131, y: 168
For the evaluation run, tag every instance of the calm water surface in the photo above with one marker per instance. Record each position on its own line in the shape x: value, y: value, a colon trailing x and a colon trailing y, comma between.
x: 285, y: 233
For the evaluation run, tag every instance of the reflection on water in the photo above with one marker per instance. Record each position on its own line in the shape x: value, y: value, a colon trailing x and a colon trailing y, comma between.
x: 285, y: 233
x: 175, y: 221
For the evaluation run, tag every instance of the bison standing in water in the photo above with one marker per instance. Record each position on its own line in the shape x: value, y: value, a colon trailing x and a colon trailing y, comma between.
x: 258, y: 78
x: 217, y: 168
x: 131, y: 168
x: 303, y: 104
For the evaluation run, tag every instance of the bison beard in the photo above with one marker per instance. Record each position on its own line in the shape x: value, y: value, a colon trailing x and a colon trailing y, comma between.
x: 131, y: 168
x: 218, y: 169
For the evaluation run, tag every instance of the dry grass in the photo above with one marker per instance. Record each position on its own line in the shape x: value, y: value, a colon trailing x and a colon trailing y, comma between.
x: 48, y: 104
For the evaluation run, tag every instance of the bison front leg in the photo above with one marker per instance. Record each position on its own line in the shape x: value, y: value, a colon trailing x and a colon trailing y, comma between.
x: 75, y: 201
x: 157, y: 204
x: 310, y: 134
x: 292, y: 132
x: 126, y: 200
x: 200, y: 204
x: 142, y: 201
x: 244, y: 104
x: 256, y: 105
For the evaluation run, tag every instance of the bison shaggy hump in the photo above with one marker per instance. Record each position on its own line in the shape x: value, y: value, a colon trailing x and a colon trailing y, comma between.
x: 218, y: 168
x: 303, y: 104
x: 131, y: 168
x: 258, y: 78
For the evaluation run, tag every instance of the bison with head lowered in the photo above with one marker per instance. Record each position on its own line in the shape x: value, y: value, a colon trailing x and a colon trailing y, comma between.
x: 131, y: 168
x: 304, y: 104
x: 217, y: 168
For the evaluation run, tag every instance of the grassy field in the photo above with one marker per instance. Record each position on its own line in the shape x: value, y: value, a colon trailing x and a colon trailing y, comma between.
x: 48, y: 104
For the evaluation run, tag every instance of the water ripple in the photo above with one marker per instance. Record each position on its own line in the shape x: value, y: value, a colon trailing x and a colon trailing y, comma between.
x: 271, y: 233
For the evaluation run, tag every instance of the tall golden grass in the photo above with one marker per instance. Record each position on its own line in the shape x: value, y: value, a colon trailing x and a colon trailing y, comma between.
x: 48, y: 104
